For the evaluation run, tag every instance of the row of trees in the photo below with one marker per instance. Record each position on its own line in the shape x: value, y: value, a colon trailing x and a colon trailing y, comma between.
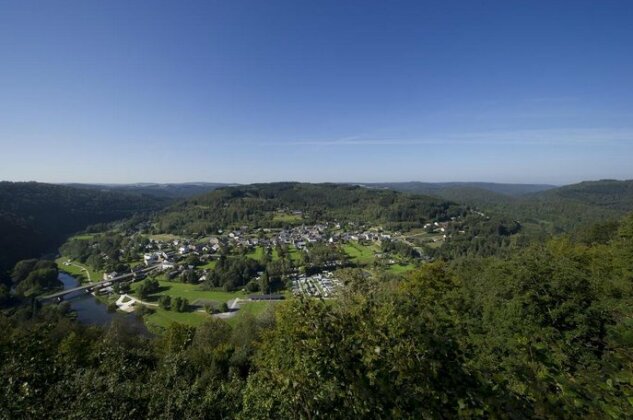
x: 178, y: 304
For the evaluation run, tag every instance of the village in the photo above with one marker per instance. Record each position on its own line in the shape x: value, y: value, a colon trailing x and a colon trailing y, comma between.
x: 274, y: 263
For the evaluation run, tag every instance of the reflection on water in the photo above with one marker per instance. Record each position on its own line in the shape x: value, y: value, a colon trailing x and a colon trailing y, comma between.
x: 90, y: 311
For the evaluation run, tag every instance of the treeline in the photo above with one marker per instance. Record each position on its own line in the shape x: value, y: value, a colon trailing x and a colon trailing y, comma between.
x: 256, y: 206
x: 35, y: 218
x: 543, y: 332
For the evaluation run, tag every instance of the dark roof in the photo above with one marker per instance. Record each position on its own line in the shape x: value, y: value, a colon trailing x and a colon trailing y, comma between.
x: 266, y: 297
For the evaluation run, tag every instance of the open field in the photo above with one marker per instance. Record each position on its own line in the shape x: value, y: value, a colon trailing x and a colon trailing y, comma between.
x: 287, y: 218
x: 163, y: 318
x: 78, y: 270
x: 250, y: 308
x: 188, y: 291
x: 360, y: 254
x: 163, y: 237
x: 295, y: 254
x: 208, y: 266
x: 256, y: 254
x: 398, y: 268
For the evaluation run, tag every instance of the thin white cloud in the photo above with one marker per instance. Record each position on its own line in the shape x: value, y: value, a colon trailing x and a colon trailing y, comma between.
x: 513, y: 137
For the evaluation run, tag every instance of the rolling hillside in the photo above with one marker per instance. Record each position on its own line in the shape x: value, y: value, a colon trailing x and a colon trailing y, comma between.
x: 441, y: 188
x: 170, y: 190
x: 260, y: 204
x: 36, y: 217
x: 549, y: 210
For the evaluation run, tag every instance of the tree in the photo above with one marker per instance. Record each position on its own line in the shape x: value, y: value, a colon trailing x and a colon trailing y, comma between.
x: 252, y: 286
x: 5, y: 295
x: 22, y: 269
x: 381, y: 354
x: 148, y: 287
x: 180, y: 304
x: 264, y: 284
x: 42, y: 277
x: 165, y: 302
x: 189, y: 276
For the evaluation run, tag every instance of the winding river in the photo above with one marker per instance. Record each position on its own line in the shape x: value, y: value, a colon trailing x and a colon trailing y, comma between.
x: 91, y: 311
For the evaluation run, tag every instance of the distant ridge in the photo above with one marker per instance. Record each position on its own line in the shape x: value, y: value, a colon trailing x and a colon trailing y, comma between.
x: 433, y: 188
x: 555, y: 209
x: 163, y: 190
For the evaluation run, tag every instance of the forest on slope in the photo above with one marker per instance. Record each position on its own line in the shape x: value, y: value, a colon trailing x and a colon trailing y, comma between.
x: 37, y: 217
x: 167, y: 190
x: 255, y: 205
x: 551, y: 210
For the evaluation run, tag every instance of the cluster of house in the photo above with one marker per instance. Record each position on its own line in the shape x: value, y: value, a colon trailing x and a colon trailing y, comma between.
x: 302, y: 236
x: 318, y: 285
x: 299, y: 236
x: 166, y: 253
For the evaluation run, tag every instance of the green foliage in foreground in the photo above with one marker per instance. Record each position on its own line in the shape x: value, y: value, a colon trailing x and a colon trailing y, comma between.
x: 543, y: 333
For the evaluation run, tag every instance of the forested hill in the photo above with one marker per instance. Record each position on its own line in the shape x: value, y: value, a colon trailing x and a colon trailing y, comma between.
x: 36, y: 217
x: 551, y: 210
x: 443, y: 188
x: 275, y: 204
x: 172, y: 191
x: 607, y: 194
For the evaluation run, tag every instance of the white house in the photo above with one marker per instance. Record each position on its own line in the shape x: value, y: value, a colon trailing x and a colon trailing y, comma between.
x: 150, y: 259
x: 109, y: 276
x: 167, y: 265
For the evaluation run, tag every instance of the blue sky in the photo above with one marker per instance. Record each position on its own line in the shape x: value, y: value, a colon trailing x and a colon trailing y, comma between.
x: 251, y: 91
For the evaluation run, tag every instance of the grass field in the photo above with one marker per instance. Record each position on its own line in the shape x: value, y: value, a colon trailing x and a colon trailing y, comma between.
x: 250, y: 308
x: 78, y: 270
x: 287, y: 218
x: 295, y: 254
x: 163, y: 318
x: 190, y: 292
x: 208, y: 266
x: 257, y: 253
x: 360, y: 254
x: 420, y: 236
x: 163, y: 237
x: 397, y: 268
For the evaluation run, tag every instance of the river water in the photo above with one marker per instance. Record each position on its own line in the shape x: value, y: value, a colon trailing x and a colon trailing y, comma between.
x: 91, y: 311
